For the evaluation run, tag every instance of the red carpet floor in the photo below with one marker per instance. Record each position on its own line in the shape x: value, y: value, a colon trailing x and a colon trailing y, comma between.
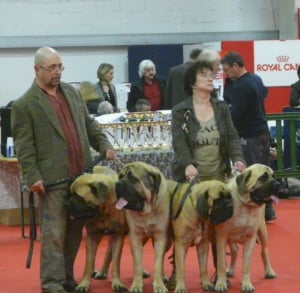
x: 284, y: 247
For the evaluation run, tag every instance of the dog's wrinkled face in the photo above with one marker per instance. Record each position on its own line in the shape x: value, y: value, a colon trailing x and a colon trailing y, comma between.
x: 138, y: 185
x: 257, y: 184
x: 92, y: 188
x: 214, y: 201
x: 87, y: 193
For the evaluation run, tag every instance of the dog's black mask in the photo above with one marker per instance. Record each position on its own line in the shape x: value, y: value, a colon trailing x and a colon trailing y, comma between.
x: 263, y: 194
x: 222, y: 210
x: 134, y: 201
x: 78, y: 209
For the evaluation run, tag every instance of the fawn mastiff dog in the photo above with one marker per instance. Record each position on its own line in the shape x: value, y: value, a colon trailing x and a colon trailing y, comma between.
x: 192, y: 214
x: 98, y: 190
x: 250, y: 191
x: 143, y: 192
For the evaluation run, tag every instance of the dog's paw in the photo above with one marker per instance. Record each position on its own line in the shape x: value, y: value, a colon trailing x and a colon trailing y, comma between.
x: 170, y: 283
x: 159, y: 287
x: 99, y: 275
x: 207, y: 286
x: 82, y: 289
x: 270, y: 274
x: 180, y: 289
x: 221, y: 287
x: 117, y: 286
x: 247, y: 287
x: 136, y: 289
x: 206, y: 283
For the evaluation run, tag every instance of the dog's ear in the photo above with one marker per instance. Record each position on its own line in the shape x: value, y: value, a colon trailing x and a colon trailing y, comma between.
x: 202, y: 206
x: 155, y: 177
x: 242, y: 180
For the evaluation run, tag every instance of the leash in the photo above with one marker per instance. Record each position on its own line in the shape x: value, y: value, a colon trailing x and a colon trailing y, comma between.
x: 32, y: 233
x: 88, y: 169
x: 195, y: 180
x: 32, y: 218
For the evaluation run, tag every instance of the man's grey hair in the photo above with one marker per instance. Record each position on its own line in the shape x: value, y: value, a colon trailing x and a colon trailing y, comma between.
x: 208, y: 55
x: 145, y: 64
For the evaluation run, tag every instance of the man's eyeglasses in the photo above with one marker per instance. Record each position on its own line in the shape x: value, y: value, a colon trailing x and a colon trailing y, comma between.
x: 53, y: 68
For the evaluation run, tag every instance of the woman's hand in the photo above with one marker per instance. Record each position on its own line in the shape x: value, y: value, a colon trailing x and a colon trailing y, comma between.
x: 239, y: 166
x: 190, y: 172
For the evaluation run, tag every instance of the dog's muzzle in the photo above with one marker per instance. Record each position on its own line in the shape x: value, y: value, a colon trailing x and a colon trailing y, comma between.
x: 221, y: 211
x: 265, y: 193
x: 128, y: 198
x: 78, y: 209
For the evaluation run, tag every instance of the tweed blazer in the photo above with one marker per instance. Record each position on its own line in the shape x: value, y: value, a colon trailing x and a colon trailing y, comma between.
x: 184, y: 132
x: 39, y: 139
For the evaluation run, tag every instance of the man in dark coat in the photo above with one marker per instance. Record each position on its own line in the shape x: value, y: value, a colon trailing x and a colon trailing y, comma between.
x: 174, y: 87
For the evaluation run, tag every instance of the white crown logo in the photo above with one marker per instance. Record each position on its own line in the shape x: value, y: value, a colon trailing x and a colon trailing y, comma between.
x: 282, y: 58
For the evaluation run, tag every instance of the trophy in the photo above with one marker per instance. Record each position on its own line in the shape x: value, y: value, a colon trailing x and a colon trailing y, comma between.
x: 147, y: 128
x: 164, y: 132
x: 136, y: 145
x: 116, y: 130
x: 126, y: 135
x: 155, y: 131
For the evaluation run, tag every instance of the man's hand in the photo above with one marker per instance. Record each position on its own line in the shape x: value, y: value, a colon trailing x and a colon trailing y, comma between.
x: 38, y: 187
x: 110, y: 154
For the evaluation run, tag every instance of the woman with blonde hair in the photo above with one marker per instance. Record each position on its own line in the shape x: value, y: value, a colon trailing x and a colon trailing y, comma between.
x: 104, y: 87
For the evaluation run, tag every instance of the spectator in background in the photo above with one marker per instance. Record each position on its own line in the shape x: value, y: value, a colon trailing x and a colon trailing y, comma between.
x: 143, y: 105
x: 174, y: 87
x: 150, y: 87
x: 248, y: 114
x: 104, y: 87
x: 105, y: 107
x: 228, y: 88
x: 52, y: 131
x: 214, y: 58
x: 90, y: 96
x: 295, y: 91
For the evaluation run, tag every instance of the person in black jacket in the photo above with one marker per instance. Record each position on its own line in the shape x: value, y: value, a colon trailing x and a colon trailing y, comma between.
x: 295, y: 91
x: 150, y: 87
x: 248, y: 114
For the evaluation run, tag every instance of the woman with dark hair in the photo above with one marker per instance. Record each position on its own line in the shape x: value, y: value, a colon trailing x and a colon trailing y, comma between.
x: 205, y: 141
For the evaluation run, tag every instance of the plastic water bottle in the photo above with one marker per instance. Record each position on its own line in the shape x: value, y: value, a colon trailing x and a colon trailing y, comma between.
x: 10, y: 149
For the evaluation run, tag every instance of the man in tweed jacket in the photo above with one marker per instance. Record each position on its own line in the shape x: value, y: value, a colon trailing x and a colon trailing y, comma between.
x: 53, y: 132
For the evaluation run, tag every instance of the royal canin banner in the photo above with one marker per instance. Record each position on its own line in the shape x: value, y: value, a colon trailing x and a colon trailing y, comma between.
x: 276, y: 62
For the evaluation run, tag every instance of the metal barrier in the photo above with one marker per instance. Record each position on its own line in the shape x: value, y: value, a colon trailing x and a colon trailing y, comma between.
x: 286, y: 125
